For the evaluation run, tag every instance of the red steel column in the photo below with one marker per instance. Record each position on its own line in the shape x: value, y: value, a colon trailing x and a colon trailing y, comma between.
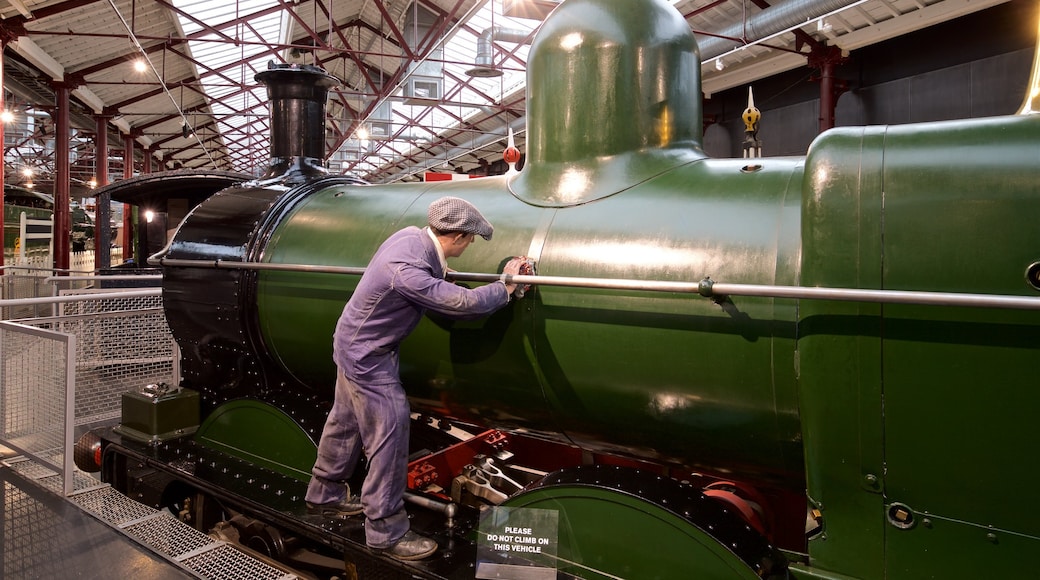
x: 103, y: 221
x: 827, y: 96
x: 825, y: 59
x: 128, y: 222
x: 62, y: 221
x: 3, y: 150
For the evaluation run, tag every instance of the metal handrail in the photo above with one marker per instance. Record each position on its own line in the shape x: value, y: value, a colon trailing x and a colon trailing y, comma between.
x: 707, y: 287
x: 80, y: 297
x: 96, y: 278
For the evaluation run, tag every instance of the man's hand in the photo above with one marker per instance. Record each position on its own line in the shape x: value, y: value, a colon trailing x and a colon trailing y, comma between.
x: 517, y: 266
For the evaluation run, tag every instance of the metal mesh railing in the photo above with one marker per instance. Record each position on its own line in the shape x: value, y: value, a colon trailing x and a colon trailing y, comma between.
x: 24, y: 285
x: 35, y: 367
x: 37, y: 279
x: 121, y: 344
x: 70, y: 370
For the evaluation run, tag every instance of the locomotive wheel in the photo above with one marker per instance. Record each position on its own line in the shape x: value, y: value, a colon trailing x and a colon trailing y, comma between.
x: 624, y: 523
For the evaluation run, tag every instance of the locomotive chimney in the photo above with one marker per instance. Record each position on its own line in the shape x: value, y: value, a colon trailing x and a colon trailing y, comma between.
x: 298, y: 94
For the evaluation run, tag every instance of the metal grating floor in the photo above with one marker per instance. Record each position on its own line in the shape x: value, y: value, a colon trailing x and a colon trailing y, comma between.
x: 155, y: 530
x: 45, y: 536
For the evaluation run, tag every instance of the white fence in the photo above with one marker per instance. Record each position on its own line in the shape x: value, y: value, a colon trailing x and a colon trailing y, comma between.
x: 42, y: 259
x: 33, y: 229
x: 18, y: 282
x: 68, y: 371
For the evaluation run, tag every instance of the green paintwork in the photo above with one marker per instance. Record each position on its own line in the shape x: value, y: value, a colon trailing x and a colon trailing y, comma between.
x: 159, y: 418
x: 261, y: 434
x: 980, y: 394
x: 576, y: 362
x: 604, y: 535
x: 861, y: 405
x: 839, y: 349
x: 935, y: 403
x: 574, y: 156
x: 673, y: 373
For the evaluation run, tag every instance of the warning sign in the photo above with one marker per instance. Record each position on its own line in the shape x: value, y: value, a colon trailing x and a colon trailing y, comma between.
x: 515, y: 543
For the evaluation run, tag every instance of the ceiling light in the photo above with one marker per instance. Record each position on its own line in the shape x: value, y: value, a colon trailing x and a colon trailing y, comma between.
x: 718, y: 64
x: 7, y: 116
x: 140, y: 66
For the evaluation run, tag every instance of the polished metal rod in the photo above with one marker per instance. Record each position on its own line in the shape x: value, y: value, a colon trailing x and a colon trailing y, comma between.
x: 707, y: 288
x: 94, y: 278
x: 879, y: 296
x: 227, y: 265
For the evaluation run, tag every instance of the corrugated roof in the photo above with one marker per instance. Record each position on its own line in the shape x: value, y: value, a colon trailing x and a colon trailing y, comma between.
x: 205, y: 53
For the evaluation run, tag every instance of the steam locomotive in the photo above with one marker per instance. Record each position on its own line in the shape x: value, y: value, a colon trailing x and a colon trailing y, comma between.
x: 818, y: 367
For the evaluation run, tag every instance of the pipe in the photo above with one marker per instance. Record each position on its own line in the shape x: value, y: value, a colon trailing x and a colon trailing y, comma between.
x: 775, y: 19
x: 484, y: 61
x: 706, y: 287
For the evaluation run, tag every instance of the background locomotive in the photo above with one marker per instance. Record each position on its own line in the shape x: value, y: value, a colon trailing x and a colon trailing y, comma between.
x: 777, y: 429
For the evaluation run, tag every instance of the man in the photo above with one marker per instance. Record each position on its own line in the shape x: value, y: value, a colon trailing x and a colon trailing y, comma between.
x: 404, y: 278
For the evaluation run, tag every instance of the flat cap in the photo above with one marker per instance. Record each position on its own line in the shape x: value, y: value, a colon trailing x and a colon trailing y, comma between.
x: 451, y: 214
